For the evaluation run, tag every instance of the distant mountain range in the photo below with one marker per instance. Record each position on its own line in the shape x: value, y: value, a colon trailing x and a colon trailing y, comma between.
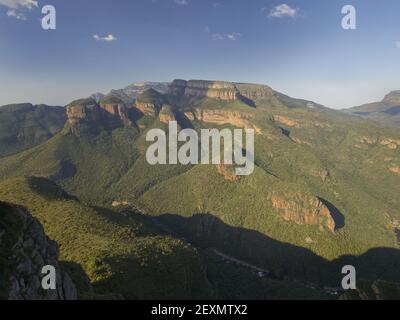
x: 324, y: 193
x: 131, y: 92
x: 385, y: 112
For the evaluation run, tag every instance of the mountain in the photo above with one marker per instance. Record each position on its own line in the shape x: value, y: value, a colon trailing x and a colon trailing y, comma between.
x: 23, y: 126
x: 385, y: 112
x: 131, y: 92
x: 324, y: 192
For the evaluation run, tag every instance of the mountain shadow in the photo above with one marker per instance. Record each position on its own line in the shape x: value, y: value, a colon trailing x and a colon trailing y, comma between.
x: 337, y: 216
x: 282, y: 260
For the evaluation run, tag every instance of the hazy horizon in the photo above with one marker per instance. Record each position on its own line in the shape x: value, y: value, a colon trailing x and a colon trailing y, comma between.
x: 106, y: 91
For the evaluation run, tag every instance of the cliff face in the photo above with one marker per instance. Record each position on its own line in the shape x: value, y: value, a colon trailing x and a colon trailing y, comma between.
x: 166, y: 114
x: 254, y: 91
x: 304, y: 210
x: 148, y: 109
x: 150, y: 103
x: 109, y: 112
x: 221, y: 117
x: 221, y: 90
x: 118, y: 110
x: 204, y: 89
x: 25, y: 249
x: 85, y: 110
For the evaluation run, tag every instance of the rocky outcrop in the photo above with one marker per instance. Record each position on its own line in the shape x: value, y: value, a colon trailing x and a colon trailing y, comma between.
x: 223, y: 116
x: 26, y: 248
x: 115, y: 107
x: 83, y: 110
x: 150, y: 103
x: 109, y: 112
x: 285, y: 121
x: 390, y: 143
x: 395, y: 169
x: 228, y: 172
x: 204, y: 89
x: 303, y: 210
x: 254, y: 91
x: 166, y: 115
x: 323, y: 174
x: 368, y: 140
x: 221, y: 90
x: 177, y: 87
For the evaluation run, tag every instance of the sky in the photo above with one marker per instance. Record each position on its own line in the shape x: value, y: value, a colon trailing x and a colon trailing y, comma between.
x: 297, y: 47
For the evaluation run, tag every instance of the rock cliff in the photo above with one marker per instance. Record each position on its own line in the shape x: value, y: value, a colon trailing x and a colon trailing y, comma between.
x: 221, y: 90
x: 109, y: 112
x: 166, y: 115
x: 223, y: 116
x: 204, y: 89
x: 25, y: 249
x: 304, y: 210
x: 150, y: 103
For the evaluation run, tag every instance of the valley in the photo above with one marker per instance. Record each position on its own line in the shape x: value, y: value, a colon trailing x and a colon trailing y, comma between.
x: 323, y: 194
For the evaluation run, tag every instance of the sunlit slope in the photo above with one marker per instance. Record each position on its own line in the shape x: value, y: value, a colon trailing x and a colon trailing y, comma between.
x: 121, y: 255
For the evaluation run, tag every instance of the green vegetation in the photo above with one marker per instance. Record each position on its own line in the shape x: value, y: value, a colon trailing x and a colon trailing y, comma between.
x: 110, y: 99
x: 122, y: 255
x: 83, y: 102
x: 305, y: 157
x: 151, y: 96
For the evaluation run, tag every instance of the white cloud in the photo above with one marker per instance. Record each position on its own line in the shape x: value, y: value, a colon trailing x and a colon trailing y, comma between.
x: 283, y: 11
x: 108, y: 38
x: 233, y: 36
x: 15, y: 4
x: 17, y: 15
x: 229, y: 36
x: 397, y: 44
x: 182, y: 2
x: 15, y: 7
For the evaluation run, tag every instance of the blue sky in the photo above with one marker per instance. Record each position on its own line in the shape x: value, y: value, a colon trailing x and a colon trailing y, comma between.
x: 299, y: 49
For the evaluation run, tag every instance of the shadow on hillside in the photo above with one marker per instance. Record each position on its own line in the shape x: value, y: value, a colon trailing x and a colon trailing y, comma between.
x: 247, y: 101
x: 183, y: 121
x: 337, y: 216
x: 279, y: 258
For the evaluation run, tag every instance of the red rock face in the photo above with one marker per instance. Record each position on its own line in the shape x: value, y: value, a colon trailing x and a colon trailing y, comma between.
x: 90, y: 112
x: 148, y: 109
x: 80, y: 113
x: 118, y: 110
x: 304, y: 210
